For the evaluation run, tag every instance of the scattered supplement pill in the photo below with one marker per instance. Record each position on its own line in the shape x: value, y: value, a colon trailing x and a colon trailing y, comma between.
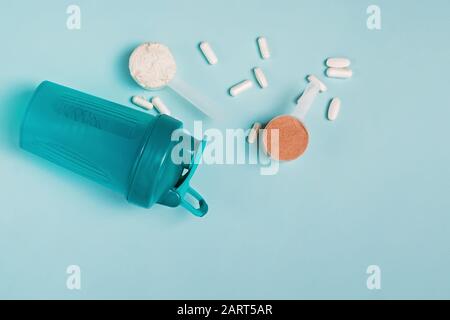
x: 338, y: 62
x: 261, y: 78
x: 241, y: 87
x: 334, y: 108
x: 253, y: 135
x: 140, y: 101
x: 263, y: 48
x: 208, y: 53
x: 160, y: 105
x: 341, y: 73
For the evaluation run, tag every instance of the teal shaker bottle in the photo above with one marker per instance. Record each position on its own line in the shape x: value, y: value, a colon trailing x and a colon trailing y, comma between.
x: 124, y: 149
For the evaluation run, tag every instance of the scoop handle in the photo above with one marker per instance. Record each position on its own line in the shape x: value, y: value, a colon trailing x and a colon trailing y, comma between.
x: 306, y: 100
x: 186, y: 192
x: 201, y: 209
x: 193, y: 97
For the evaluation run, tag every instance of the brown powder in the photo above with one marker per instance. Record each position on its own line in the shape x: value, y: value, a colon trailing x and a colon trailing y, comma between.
x: 293, y: 138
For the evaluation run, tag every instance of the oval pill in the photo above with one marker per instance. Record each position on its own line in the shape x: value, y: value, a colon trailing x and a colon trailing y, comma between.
x: 263, y: 48
x: 341, y: 73
x: 253, y: 135
x: 209, y: 53
x: 160, y: 106
x: 261, y: 78
x: 334, y: 108
x: 140, y: 101
x: 241, y: 87
x: 338, y: 62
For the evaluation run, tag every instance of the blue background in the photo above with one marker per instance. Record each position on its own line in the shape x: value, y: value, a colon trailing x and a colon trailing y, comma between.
x: 373, y: 188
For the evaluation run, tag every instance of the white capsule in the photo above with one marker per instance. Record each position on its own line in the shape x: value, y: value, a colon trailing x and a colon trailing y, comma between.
x: 263, y: 48
x: 341, y: 73
x: 338, y: 62
x: 261, y: 78
x: 240, y: 87
x: 160, y: 106
x: 209, y: 53
x: 334, y: 108
x: 142, y: 102
x: 253, y: 135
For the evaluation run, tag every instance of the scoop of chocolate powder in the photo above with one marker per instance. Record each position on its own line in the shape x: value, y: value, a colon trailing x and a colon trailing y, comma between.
x: 285, y: 138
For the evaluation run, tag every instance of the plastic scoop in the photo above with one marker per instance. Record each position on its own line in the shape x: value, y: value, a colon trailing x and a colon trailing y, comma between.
x: 153, y: 67
x: 292, y: 137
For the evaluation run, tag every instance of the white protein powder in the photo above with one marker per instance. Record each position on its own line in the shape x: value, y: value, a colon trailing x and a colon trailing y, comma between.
x: 152, y: 65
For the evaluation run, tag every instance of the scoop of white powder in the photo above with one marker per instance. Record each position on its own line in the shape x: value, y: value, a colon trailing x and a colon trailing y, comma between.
x: 152, y: 65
